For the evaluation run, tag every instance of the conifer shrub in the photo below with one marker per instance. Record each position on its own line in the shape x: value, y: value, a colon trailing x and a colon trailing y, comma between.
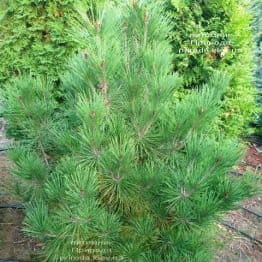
x: 119, y: 171
x: 217, y: 35
x: 34, y: 37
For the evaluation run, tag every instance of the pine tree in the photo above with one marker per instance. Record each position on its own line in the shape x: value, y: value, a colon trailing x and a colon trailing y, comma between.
x: 119, y: 170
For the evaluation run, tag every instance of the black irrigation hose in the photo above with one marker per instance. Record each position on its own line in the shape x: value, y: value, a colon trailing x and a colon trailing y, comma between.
x: 12, y: 206
x: 10, y: 260
x: 251, y: 212
x: 20, y: 206
x: 241, y: 232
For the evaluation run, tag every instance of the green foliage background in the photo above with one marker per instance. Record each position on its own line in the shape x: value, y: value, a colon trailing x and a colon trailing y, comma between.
x: 228, y: 17
x: 35, y: 38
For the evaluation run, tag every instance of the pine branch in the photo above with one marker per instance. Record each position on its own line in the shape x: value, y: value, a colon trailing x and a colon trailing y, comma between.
x: 211, y: 170
x: 146, y: 22
x: 145, y: 129
x: 43, y: 152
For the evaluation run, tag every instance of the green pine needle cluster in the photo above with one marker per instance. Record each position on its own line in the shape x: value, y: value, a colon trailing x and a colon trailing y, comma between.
x: 119, y: 170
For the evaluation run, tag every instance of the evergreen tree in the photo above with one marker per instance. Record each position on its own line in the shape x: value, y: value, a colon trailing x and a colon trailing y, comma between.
x: 217, y: 35
x: 120, y: 170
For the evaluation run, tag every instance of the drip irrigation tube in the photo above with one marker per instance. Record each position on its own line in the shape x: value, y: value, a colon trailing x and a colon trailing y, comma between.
x: 241, y: 232
x: 10, y: 260
x: 251, y: 212
x: 12, y: 206
x: 20, y: 206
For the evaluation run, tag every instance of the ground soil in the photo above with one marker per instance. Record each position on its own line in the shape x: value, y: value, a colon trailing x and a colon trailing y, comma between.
x: 234, y: 247
x: 13, y: 243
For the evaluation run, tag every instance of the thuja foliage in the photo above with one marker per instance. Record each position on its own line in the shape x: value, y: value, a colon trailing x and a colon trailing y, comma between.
x: 120, y: 170
x: 34, y: 37
x: 211, y: 35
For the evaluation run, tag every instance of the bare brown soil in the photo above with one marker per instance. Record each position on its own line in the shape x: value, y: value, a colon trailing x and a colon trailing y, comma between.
x: 252, y: 160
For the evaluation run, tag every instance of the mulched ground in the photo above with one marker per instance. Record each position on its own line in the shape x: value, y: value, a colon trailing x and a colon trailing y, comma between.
x: 252, y: 160
x: 234, y: 246
x: 13, y: 243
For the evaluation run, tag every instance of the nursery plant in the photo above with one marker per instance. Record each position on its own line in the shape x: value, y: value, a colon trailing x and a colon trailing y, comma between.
x: 217, y: 35
x: 120, y: 171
